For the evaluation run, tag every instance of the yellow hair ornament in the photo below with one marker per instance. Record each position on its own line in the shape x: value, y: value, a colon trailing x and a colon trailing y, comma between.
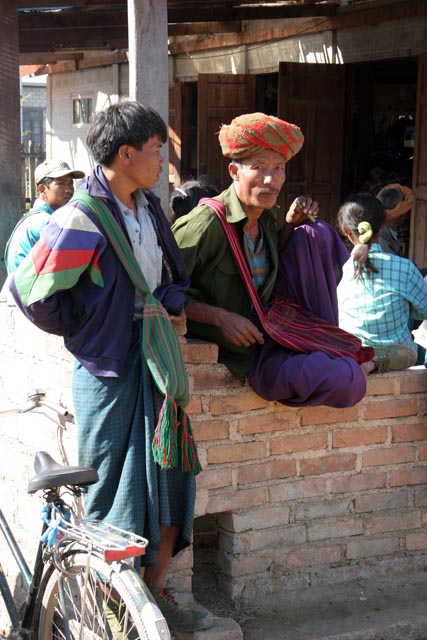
x: 365, y: 232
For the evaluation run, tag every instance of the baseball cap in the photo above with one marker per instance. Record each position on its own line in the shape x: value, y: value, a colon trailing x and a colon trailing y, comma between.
x: 55, y: 169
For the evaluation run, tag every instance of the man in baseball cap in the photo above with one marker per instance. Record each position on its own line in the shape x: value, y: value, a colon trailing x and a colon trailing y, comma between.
x: 55, y: 186
x: 55, y: 169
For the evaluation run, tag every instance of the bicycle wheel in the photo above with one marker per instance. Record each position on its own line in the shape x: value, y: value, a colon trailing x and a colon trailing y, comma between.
x: 97, y: 601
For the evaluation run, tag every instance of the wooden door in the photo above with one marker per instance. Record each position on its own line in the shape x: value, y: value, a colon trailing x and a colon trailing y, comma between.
x: 174, y: 133
x: 220, y: 99
x: 418, y: 228
x: 312, y: 96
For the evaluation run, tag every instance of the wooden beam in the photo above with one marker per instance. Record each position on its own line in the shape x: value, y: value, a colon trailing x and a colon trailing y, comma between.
x: 351, y: 19
x: 87, y: 62
x: 281, y: 12
x: 198, y: 28
x: 51, y: 58
x: 76, y: 4
x: 47, y: 40
x: 70, y: 20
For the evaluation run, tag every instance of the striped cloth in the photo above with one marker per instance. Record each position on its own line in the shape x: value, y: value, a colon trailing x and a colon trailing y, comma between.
x: 253, y: 132
x: 173, y: 442
x: 115, y: 437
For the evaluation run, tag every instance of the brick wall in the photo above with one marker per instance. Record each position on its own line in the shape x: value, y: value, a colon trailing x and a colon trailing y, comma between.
x: 290, y: 497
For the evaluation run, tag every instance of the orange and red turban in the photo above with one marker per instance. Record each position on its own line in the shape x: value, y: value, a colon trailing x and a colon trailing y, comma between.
x: 253, y: 132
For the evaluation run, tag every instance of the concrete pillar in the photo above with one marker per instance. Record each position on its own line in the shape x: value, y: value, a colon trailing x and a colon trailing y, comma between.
x: 148, y: 66
x: 10, y: 137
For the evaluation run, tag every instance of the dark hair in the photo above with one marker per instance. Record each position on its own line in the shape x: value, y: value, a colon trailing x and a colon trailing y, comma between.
x: 45, y: 181
x: 126, y: 122
x: 390, y: 197
x: 186, y: 197
x: 362, y: 207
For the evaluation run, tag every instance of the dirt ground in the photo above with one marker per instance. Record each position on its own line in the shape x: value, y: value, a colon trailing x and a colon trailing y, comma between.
x: 393, y: 608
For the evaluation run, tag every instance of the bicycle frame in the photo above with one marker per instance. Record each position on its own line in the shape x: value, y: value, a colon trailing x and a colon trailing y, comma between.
x: 32, y: 580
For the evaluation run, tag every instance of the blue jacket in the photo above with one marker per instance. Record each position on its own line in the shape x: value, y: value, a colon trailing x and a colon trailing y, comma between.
x: 96, y: 320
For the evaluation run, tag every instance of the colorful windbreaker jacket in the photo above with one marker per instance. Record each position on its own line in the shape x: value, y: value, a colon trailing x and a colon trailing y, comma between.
x: 72, y: 283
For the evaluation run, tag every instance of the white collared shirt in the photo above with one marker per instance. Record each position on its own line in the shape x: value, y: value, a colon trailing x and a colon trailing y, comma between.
x: 144, y: 242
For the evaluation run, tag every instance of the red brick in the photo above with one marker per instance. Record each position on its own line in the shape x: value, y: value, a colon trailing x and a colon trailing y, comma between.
x: 416, y: 541
x: 343, y: 529
x: 214, y: 377
x: 409, y: 432
x: 195, y: 405
x: 263, y: 518
x: 286, y: 491
x: 392, y: 455
x: 368, y: 548
x: 265, y: 422
x: 396, y: 522
x: 392, y: 409
x: 243, y: 499
x: 381, y: 385
x: 310, y: 556
x: 328, y: 464
x: 271, y: 470
x: 358, y: 437
x: 358, y: 482
x: 243, y: 565
x: 214, y: 478
x: 300, y: 442
x: 245, y: 400
x: 402, y: 477
x: 198, y: 352
x: 420, y: 496
x: 276, y: 538
x: 414, y: 381
x: 389, y: 500
x: 220, y: 454
x: 422, y: 452
x: 210, y: 430
x: 328, y: 415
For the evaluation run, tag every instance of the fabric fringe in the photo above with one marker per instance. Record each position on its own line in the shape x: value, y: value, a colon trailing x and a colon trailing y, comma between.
x: 174, y: 427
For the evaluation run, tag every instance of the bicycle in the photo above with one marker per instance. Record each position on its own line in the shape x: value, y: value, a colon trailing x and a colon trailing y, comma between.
x: 84, y: 584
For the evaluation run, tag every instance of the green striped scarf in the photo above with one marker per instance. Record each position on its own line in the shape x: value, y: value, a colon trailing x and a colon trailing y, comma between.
x: 173, y: 441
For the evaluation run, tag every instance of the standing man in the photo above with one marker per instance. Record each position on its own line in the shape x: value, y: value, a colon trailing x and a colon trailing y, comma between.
x: 55, y: 185
x: 307, y: 270
x: 74, y: 284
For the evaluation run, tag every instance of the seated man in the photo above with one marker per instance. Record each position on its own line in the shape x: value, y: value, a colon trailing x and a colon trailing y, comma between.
x: 54, y: 181
x: 218, y: 305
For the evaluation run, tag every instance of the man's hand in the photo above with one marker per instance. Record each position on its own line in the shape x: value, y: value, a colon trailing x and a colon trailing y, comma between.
x: 180, y: 323
x: 302, y: 209
x: 238, y: 329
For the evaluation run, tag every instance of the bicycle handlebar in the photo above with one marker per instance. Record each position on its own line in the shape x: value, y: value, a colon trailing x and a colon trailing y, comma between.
x: 36, y: 400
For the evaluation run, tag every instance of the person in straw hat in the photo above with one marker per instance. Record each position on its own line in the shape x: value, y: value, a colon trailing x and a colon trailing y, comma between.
x: 306, y: 270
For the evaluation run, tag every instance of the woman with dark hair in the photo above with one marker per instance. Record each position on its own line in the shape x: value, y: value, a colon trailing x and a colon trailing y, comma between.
x: 378, y: 290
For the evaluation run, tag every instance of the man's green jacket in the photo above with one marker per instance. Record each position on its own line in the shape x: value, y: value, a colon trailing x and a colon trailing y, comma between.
x: 215, y: 279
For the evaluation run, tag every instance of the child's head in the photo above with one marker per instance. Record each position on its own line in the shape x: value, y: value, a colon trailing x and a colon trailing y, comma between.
x: 360, y: 219
x: 357, y: 210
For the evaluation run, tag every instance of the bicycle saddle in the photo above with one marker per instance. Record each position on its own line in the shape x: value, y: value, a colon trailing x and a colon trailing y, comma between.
x: 50, y: 474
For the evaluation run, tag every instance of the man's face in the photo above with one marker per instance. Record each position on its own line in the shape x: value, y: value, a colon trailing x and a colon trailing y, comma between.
x: 259, y: 179
x: 57, y: 192
x: 146, y: 163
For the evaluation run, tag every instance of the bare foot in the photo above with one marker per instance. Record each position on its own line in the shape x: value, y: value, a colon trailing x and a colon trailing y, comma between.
x: 368, y: 367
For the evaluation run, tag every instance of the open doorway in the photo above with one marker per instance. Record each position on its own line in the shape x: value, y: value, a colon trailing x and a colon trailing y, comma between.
x: 380, y: 126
